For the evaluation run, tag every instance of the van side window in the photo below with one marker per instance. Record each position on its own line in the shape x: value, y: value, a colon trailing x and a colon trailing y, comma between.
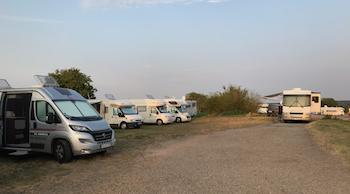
x: 172, y: 109
x: 141, y: 109
x: 153, y: 110
x: 42, y: 108
x: 116, y: 111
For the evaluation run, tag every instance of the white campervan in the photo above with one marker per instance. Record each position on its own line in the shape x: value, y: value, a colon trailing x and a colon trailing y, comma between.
x: 175, y: 107
x: 118, y: 113
x: 52, y: 120
x: 153, y: 111
x: 191, y: 107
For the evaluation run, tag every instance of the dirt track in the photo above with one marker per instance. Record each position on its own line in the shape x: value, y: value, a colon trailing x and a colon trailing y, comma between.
x: 273, y: 158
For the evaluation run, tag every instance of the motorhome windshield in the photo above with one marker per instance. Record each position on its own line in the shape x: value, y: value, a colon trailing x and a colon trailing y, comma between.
x: 297, y: 100
x: 162, y: 109
x: 180, y: 109
x: 128, y: 111
x: 77, y: 110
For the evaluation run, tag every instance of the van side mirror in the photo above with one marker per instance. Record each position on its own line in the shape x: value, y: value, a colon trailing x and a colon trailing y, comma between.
x: 120, y: 114
x: 50, y: 118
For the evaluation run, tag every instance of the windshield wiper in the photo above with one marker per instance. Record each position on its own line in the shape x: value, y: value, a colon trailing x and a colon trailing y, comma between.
x: 295, y: 102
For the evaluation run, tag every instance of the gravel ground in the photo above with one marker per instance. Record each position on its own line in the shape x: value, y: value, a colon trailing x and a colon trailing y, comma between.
x: 272, y: 158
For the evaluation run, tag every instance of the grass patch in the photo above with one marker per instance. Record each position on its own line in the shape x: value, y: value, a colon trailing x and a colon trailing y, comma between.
x: 334, y: 134
x: 140, y: 138
x: 20, y: 173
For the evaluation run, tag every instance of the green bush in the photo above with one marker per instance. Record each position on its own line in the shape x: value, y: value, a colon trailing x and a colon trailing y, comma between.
x: 233, y: 98
x: 201, y: 114
x: 327, y: 117
x: 234, y: 112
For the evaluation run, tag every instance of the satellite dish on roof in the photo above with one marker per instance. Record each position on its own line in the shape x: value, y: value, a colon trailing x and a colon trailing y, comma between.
x: 110, y: 96
x: 149, y: 96
x: 166, y: 97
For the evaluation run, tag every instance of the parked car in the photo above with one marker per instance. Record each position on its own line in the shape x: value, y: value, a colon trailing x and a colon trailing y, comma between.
x: 274, y: 108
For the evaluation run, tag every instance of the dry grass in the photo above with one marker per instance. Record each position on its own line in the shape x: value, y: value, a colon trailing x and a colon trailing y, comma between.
x: 334, y: 135
x: 23, y: 173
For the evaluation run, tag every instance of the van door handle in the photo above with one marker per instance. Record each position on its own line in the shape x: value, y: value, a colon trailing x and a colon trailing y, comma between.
x: 34, y: 125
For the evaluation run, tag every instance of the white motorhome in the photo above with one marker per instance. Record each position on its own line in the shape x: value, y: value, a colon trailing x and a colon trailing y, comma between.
x: 191, y: 107
x: 52, y: 120
x: 175, y: 107
x: 118, y: 113
x: 297, y: 105
x: 153, y: 111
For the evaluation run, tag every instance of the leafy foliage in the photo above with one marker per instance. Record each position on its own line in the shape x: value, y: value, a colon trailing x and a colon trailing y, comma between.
x: 329, y: 102
x: 200, y: 98
x: 73, y: 79
x: 232, y: 99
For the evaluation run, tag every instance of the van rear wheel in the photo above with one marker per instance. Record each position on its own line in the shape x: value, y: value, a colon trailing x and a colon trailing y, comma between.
x: 62, y: 151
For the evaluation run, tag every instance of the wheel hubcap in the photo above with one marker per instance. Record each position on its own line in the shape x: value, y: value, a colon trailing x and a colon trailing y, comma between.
x: 59, y: 152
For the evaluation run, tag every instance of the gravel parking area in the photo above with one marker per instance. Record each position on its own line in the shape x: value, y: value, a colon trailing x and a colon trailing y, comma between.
x: 270, y: 158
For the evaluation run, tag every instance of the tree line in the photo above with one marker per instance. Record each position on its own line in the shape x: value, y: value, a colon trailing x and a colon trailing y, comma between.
x: 233, y: 99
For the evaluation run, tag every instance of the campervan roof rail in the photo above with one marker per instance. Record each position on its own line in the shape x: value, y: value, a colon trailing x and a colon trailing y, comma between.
x: 4, y: 84
x: 46, y: 81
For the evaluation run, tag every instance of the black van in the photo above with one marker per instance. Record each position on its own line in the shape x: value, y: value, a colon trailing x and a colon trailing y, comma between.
x: 274, y: 109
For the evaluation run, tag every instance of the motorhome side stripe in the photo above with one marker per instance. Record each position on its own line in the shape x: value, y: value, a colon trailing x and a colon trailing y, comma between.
x: 44, y: 129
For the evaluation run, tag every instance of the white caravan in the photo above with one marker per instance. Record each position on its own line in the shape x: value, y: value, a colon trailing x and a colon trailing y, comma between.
x: 175, y: 107
x: 52, y: 120
x: 153, y: 111
x: 118, y: 113
x: 296, y: 105
x: 191, y: 107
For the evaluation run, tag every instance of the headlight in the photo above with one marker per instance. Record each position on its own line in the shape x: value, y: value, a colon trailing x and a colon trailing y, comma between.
x: 80, y: 128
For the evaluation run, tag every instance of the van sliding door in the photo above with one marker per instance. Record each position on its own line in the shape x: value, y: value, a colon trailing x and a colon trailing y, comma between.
x: 16, y: 122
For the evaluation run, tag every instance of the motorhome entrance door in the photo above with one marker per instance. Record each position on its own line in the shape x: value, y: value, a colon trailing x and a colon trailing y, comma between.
x: 16, y: 122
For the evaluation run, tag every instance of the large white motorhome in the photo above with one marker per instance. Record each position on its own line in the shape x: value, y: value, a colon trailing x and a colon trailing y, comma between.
x: 175, y: 107
x: 297, y: 105
x: 118, y: 113
x: 191, y: 107
x: 153, y: 111
x: 52, y: 120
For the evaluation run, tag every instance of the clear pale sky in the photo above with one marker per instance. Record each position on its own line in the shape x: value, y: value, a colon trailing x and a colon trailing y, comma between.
x: 131, y: 48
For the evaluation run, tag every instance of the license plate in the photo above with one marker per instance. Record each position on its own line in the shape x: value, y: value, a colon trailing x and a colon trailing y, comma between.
x: 105, y: 145
x: 140, y: 123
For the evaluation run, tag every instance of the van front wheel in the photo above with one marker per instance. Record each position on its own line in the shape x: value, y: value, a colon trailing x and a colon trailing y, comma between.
x: 159, y: 122
x: 123, y: 125
x: 62, y: 151
x: 178, y: 120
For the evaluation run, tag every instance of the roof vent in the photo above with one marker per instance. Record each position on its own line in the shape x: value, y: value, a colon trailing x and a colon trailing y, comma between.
x: 46, y: 81
x: 4, y: 84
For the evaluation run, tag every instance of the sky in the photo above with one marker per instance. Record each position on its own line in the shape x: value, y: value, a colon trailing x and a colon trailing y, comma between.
x: 131, y: 48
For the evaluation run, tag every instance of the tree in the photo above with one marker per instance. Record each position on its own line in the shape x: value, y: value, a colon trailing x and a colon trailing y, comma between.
x: 200, y: 98
x: 73, y: 79
x: 234, y: 99
x: 330, y: 102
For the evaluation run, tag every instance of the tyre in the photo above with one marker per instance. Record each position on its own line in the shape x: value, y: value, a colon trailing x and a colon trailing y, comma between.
x: 123, y: 125
x: 159, y: 122
x: 178, y: 120
x: 62, y: 151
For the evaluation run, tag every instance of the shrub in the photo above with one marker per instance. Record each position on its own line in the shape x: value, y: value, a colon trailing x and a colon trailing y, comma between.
x: 201, y: 114
x: 234, y: 112
x: 233, y: 98
x: 327, y: 117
